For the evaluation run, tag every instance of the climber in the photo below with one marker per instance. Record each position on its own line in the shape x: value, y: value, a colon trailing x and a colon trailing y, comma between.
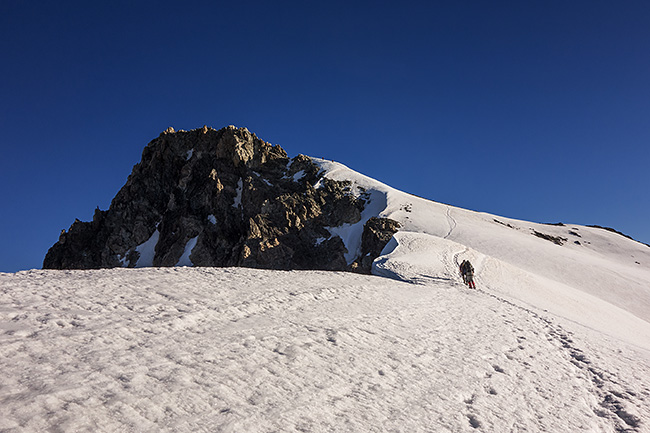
x: 462, y: 270
x: 467, y: 270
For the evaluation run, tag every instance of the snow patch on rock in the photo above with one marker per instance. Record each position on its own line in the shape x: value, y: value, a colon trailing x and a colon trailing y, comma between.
x: 147, y: 251
x: 299, y: 175
x: 240, y: 189
x: 185, y: 258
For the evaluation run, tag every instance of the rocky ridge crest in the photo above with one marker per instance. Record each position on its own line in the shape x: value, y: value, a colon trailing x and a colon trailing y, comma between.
x: 223, y: 197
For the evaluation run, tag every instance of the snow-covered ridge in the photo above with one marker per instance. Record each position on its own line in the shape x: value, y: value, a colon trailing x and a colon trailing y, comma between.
x: 592, y: 276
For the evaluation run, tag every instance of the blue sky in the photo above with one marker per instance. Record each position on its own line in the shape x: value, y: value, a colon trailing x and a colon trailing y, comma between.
x: 537, y: 110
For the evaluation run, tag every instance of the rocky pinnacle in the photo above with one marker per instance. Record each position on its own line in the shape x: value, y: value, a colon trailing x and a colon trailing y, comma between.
x: 223, y: 197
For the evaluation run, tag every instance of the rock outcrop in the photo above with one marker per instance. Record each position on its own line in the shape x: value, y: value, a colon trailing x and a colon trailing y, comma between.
x: 376, y: 234
x: 223, y: 197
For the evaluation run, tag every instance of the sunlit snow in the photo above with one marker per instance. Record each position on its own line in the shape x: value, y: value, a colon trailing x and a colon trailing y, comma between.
x: 556, y: 338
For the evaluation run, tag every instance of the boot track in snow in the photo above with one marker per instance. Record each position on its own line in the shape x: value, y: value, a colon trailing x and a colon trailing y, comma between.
x: 607, y: 387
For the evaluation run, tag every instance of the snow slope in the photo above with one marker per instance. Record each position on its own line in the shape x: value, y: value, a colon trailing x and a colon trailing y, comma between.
x: 602, y: 283
x: 556, y: 338
x: 243, y: 350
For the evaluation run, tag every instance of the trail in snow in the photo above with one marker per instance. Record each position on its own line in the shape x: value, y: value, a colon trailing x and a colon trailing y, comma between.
x: 451, y: 221
x: 617, y: 400
x: 590, y: 276
x: 613, y: 396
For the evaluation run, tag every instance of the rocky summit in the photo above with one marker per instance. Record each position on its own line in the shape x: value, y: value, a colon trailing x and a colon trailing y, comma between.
x: 223, y: 197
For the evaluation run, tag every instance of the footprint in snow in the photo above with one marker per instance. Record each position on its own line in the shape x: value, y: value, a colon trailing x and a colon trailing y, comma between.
x: 331, y: 336
x: 473, y: 421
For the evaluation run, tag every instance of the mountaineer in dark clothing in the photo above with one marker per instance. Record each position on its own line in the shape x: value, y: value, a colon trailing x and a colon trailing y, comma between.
x: 467, y: 271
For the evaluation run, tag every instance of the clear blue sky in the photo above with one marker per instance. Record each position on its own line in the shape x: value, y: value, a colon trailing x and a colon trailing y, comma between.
x: 538, y: 110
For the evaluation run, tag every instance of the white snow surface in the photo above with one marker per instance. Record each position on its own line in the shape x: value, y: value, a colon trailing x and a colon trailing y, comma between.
x: 554, y: 338
x: 244, y: 350
x: 603, y: 283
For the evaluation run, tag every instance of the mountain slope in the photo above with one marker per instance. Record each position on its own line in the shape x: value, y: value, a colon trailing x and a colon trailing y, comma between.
x: 226, y: 198
x: 235, y: 349
x: 592, y: 276
x: 555, y: 338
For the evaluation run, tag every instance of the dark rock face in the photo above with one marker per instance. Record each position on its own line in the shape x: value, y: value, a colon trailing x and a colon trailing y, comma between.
x: 376, y: 234
x: 558, y: 240
x: 219, y: 198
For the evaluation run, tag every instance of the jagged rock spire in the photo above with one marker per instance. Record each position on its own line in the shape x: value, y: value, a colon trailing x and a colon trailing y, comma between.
x: 216, y: 198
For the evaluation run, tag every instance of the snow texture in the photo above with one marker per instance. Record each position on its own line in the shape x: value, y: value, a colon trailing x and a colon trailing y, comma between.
x: 556, y: 338
x: 202, y: 349
x: 601, y: 283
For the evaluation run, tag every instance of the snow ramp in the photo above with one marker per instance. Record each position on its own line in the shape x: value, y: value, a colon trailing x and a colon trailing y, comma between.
x: 430, y: 260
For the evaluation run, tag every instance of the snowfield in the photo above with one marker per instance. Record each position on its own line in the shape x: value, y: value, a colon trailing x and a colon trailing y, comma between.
x: 556, y: 337
x: 242, y: 350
